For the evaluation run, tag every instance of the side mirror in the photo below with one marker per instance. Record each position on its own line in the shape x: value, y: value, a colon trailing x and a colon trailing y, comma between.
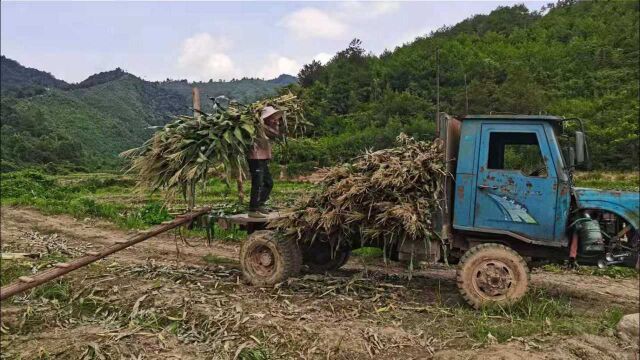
x: 580, y: 147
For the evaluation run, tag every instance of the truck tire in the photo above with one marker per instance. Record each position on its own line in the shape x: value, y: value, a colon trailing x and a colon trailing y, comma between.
x: 267, y: 259
x: 492, y: 274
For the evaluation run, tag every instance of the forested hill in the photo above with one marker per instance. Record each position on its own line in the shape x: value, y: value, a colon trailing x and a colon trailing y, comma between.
x: 84, y: 126
x: 14, y: 76
x: 575, y: 59
x: 245, y: 90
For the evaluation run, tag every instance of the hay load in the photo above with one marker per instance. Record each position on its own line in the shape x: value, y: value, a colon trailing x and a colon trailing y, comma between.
x: 383, y: 198
x: 188, y: 150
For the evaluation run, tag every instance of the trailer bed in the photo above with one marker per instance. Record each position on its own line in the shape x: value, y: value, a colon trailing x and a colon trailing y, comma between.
x: 244, y: 221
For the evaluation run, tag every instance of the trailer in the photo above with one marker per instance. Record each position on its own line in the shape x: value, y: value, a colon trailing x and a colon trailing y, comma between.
x: 266, y: 258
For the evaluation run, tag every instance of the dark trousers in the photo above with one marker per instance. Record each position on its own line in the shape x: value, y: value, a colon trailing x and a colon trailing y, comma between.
x: 261, y: 183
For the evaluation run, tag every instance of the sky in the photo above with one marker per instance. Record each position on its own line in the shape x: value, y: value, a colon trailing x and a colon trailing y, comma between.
x: 199, y: 41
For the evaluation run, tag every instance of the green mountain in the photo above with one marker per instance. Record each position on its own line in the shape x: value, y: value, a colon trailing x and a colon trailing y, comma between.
x: 245, y: 90
x: 17, y: 78
x: 86, y: 125
x: 574, y: 59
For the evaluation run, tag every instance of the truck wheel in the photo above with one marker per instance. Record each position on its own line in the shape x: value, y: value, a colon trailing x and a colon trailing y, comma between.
x: 319, y: 258
x: 492, y: 274
x: 267, y: 259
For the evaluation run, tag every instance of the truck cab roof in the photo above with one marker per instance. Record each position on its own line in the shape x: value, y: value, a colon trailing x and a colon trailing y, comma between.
x: 513, y: 117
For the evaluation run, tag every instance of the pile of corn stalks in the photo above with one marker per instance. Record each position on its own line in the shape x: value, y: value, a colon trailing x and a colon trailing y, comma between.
x: 384, y: 197
x: 191, y: 148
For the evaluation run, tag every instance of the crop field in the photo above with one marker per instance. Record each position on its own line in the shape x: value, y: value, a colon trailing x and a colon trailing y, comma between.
x: 177, y: 296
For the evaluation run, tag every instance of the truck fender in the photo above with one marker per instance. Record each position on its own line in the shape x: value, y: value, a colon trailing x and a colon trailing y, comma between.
x: 622, y: 203
x: 628, y: 215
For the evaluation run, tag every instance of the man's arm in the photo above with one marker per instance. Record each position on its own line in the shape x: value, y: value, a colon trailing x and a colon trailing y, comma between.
x: 272, y: 129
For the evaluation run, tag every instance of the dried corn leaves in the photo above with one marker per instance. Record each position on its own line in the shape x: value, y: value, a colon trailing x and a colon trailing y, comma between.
x: 189, y: 149
x: 384, y: 197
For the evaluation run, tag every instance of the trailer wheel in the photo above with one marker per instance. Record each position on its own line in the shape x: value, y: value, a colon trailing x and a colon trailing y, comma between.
x: 319, y: 257
x: 267, y: 259
x: 492, y: 274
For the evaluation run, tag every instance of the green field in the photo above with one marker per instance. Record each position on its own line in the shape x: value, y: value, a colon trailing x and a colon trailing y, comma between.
x: 115, y: 198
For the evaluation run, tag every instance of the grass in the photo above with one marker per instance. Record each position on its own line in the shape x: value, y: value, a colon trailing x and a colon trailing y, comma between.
x: 628, y: 181
x: 58, y: 290
x: 538, y: 313
x: 614, y: 272
x: 256, y: 353
x: 13, y: 269
x: 368, y: 252
x: 217, y: 260
x: 113, y: 198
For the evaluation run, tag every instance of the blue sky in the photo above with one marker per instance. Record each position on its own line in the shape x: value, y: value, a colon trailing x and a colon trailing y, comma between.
x: 219, y: 40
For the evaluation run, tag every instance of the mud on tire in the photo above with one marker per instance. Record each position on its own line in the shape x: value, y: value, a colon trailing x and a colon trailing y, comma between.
x: 492, y: 274
x: 267, y: 259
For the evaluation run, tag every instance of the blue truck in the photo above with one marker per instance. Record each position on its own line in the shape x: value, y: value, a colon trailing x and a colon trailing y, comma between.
x: 510, y: 200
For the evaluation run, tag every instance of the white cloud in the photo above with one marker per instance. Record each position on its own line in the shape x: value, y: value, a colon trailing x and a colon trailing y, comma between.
x: 323, y: 57
x: 314, y: 23
x: 334, y: 23
x: 204, y: 57
x: 365, y: 10
x: 277, y: 65
x: 384, y: 7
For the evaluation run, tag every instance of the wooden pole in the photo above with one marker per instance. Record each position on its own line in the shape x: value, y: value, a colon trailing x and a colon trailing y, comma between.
x: 438, y: 88
x: 240, y: 183
x: 195, y: 93
x: 59, y: 269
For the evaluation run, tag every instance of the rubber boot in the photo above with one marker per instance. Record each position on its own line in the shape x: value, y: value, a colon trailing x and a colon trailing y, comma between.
x: 256, y: 214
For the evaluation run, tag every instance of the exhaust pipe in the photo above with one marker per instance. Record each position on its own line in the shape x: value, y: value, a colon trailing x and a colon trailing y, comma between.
x: 612, y: 259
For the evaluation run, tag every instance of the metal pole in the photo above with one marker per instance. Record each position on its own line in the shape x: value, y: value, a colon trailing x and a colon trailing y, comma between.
x: 466, y: 96
x: 59, y: 269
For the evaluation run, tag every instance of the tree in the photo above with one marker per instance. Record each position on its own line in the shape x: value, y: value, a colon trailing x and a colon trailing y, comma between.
x: 309, y: 73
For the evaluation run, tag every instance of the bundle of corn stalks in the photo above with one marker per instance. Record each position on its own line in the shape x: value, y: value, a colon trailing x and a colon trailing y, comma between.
x: 188, y: 150
x: 384, y: 197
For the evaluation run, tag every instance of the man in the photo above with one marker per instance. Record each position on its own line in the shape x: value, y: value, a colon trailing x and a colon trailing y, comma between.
x: 258, y: 158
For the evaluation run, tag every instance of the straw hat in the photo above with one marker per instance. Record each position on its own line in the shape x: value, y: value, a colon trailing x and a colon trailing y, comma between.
x: 269, y: 111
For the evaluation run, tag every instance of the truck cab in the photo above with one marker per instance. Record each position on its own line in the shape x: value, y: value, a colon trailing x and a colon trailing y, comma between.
x: 511, y: 179
x: 511, y: 196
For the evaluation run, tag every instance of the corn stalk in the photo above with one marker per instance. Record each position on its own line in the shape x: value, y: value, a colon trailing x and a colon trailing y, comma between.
x: 384, y: 197
x: 189, y: 150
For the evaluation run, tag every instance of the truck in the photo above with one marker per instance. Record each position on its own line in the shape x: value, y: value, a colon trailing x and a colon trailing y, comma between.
x: 509, y: 200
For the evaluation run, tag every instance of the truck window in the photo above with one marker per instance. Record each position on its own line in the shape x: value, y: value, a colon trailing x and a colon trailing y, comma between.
x: 516, y: 151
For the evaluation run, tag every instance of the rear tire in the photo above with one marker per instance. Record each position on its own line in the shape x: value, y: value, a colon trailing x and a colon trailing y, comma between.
x: 267, y: 259
x: 320, y: 257
x: 492, y: 274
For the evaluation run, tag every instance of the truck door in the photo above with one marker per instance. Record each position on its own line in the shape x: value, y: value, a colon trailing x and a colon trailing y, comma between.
x: 516, y: 181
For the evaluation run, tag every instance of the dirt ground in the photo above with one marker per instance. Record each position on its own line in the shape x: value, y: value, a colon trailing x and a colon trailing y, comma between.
x: 161, y: 299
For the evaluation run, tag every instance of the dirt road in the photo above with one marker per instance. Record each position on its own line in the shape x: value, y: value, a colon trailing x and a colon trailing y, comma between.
x: 162, y: 299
